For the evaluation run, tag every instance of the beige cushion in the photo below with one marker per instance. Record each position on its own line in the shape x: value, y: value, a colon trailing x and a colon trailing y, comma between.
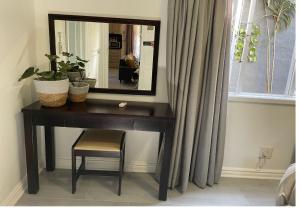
x: 100, y: 140
x: 287, y: 188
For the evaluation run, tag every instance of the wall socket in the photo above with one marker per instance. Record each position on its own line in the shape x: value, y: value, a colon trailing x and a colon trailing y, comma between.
x: 266, y: 152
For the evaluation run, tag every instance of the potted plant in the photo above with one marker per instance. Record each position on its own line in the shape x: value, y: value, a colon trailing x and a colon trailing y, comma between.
x: 75, y: 70
x: 78, y: 89
x: 51, y: 86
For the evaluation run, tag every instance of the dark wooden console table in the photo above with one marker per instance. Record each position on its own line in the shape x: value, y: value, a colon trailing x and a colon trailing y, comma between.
x: 102, y: 114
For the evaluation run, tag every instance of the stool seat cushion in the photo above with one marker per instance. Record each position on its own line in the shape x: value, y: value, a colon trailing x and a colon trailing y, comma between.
x: 100, y: 140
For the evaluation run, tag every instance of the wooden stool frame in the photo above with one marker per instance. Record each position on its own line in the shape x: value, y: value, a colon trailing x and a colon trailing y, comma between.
x: 95, y: 153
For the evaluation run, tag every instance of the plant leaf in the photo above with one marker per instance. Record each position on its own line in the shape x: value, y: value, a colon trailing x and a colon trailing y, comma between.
x: 81, y: 64
x: 51, y: 58
x: 67, y: 54
x: 81, y: 60
x: 47, y: 75
x: 28, y: 73
x: 282, y: 11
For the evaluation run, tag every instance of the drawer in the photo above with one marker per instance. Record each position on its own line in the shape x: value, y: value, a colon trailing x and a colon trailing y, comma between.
x: 101, y: 122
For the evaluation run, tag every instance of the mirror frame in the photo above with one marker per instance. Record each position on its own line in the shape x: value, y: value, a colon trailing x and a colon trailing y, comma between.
x: 53, y: 17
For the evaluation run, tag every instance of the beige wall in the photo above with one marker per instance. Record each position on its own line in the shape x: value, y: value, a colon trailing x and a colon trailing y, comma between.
x: 254, y: 125
x: 16, y: 54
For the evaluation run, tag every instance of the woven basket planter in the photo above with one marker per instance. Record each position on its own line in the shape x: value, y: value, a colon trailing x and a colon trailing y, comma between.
x: 52, y: 93
x: 78, y: 91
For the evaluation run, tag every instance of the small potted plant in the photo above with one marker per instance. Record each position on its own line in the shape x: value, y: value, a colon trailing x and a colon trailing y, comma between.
x: 51, y: 86
x: 78, y: 89
x: 75, y: 70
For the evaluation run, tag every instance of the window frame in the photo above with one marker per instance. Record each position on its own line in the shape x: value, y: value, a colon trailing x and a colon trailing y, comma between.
x: 237, y: 96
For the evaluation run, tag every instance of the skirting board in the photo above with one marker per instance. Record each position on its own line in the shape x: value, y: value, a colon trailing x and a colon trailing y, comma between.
x: 17, y: 192
x: 252, y: 173
x: 112, y: 164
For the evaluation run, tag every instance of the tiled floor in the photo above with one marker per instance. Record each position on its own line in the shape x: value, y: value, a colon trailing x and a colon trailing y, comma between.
x: 141, y: 189
x: 114, y: 82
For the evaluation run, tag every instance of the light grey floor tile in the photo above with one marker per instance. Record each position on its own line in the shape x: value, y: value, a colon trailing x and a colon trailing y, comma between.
x: 139, y: 189
x: 66, y: 202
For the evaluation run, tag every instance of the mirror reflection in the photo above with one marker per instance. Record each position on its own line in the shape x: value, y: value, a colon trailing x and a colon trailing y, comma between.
x: 120, y: 56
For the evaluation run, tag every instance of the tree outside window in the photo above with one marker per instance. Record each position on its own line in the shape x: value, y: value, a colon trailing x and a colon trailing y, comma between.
x: 263, y: 48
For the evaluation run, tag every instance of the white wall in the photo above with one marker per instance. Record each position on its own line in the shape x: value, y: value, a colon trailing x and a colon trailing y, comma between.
x: 16, y: 54
x: 146, y: 59
x: 254, y: 125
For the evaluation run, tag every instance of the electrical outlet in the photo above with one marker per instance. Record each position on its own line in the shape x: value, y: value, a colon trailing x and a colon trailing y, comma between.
x: 266, y: 152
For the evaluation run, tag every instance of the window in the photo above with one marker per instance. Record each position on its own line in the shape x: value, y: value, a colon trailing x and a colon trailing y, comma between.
x: 249, y: 72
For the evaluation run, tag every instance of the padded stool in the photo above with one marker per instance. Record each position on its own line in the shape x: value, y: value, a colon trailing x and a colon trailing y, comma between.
x: 98, y: 143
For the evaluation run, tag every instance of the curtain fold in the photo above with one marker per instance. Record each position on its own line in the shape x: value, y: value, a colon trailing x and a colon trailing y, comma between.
x: 198, y: 41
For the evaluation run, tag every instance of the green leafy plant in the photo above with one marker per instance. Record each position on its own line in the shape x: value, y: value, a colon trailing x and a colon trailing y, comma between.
x: 68, y: 66
x: 252, y: 55
x: 49, y: 75
x: 253, y: 41
x: 239, y: 47
x: 281, y: 12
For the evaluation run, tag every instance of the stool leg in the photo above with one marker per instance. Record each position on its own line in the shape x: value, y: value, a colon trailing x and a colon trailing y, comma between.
x: 73, y: 172
x: 83, y: 162
x: 123, y: 161
x: 120, y: 172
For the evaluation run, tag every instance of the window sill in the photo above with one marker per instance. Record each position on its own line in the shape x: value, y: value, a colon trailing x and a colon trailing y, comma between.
x: 264, y: 99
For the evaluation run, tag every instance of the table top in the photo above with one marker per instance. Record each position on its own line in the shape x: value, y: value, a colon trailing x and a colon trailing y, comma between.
x: 108, y: 107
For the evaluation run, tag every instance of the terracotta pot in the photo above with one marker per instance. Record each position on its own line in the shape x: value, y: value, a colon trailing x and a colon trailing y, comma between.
x: 52, y: 93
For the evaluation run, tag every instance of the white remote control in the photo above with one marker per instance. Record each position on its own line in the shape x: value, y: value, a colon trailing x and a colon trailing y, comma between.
x: 122, y: 105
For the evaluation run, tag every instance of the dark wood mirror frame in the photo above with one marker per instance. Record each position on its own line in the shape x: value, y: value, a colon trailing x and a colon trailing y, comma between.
x: 156, y: 23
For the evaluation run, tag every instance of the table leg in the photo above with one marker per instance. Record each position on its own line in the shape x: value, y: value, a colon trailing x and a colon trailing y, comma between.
x: 165, y: 170
x: 50, y: 148
x: 161, y: 137
x: 31, y: 154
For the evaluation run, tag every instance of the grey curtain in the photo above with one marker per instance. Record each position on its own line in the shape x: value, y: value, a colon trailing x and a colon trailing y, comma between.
x: 198, y: 44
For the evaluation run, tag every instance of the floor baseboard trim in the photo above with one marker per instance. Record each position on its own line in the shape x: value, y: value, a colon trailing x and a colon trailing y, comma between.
x: 17, y: 192
x: 252, y: 173
x: 113, y: 164
x: 107, y: 164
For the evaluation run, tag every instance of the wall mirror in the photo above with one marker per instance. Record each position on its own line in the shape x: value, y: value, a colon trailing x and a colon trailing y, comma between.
x: 122, y: 54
